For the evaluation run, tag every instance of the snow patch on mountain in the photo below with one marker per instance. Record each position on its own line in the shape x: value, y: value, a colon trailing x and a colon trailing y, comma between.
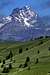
x: 26, y: 23
x: 9, y: 18
x: 1, y: 24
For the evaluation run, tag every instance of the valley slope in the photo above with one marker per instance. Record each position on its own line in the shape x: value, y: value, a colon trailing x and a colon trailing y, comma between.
x: 33, y: 68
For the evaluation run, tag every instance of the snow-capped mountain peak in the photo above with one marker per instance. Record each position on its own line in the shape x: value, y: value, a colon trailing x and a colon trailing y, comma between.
x: 25, y: 16
x: 20, y: 24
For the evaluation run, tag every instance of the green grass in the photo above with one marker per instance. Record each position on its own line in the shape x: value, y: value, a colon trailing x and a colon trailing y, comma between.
x: 41, y: 68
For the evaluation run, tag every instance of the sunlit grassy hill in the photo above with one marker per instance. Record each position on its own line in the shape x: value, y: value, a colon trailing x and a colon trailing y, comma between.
x: 26, y: 58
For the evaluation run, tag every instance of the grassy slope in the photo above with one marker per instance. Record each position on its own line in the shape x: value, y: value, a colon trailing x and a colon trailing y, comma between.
x: 42, y: 68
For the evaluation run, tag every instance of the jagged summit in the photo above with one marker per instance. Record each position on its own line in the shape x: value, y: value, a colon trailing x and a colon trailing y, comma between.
x: 17, y: 10
x: 25, y: 16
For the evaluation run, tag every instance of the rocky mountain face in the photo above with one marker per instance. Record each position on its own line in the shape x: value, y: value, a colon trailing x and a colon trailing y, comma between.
x: 23, y: 24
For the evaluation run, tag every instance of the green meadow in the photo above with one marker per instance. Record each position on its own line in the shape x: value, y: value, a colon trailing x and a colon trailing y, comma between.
x: 25, y: 58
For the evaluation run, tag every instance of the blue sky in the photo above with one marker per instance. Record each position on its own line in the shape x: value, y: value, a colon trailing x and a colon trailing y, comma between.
x: 42, y: 7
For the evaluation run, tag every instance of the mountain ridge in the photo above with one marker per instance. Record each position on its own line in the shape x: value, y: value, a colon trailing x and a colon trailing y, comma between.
x: 22, y: 24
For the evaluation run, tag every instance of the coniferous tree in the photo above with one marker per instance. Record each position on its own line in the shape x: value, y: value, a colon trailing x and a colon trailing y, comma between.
x: 36, y: 61
x: 20, y: 50
x: 10, y: 66
x: 3, y: 61
x: 27, y: 59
